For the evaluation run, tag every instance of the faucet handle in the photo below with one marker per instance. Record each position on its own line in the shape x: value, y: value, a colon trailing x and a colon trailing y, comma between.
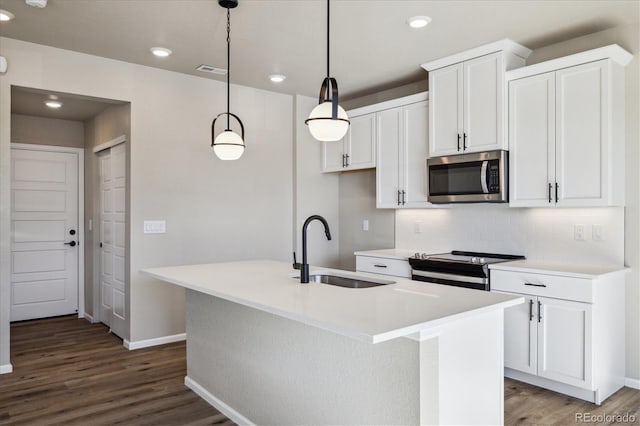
x: 296, y: 265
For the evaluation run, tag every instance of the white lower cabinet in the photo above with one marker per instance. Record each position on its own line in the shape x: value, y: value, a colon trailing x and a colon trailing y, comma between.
x: 549, y: 338
x: 571, y: 346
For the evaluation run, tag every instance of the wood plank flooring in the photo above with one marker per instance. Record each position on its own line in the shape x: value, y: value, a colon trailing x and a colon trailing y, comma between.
x: 67, y: 371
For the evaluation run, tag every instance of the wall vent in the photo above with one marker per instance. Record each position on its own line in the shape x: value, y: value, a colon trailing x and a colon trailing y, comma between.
x: 212, y: 70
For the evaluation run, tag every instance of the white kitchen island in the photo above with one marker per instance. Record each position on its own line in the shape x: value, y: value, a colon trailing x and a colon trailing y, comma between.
x: 265, y: 349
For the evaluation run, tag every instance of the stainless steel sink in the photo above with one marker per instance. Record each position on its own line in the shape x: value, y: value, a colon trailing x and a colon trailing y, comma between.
x: 350, y: 282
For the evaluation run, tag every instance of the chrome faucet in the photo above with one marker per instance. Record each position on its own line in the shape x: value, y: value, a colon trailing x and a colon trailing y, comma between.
x: 304, y: 268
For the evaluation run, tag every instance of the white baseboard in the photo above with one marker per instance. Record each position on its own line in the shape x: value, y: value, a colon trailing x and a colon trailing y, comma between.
x: 6, y: 369
x: 139, y: 344
x: 632, y: 383
x: 88, y: 318
x: 232, y: 414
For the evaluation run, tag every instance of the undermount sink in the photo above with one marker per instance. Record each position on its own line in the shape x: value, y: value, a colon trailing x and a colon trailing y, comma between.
x: 350, y: 282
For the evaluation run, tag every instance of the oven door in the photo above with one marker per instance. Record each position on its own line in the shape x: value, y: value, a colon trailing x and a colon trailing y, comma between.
x: 477, y: 283
x: 467, y: 178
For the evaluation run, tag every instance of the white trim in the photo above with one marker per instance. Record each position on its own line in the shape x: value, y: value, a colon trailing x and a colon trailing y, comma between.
x: 6, y: 368
x: 504, y: 45
x: 89, y: 318
x: 613, y: 52
x: 225, y: 409
x: 110, y: 144
x: 81, y: 237
x: 632, y: 383
x: 139, y: 344
x: 393, y: 103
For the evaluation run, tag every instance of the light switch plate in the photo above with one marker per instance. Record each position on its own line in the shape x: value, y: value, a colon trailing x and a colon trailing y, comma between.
x: 155, y: 226
x: 365, y: 225
x: 597, y: 233
x: 578, y: 232
x: 417, y: 227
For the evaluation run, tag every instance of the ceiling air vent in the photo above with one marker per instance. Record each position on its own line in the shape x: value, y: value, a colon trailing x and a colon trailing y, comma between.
x: 212, y: 70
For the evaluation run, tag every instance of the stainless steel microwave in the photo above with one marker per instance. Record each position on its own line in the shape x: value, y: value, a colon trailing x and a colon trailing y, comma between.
x: 469, y: 178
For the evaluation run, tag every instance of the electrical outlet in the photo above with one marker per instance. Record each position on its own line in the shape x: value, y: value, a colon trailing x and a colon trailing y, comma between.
x: 417, y: 227
x: 365, y: 225
x: 597, y: 233
x: 578, y: 232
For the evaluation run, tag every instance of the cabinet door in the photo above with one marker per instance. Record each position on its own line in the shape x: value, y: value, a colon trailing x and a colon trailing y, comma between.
x: 388, y: 171
x: 581, y: 145
x: 564, y: 341
x: 445, y: 112
x: 332, y: 153
x: 414, y: 154
x: 532, y: 141
x: 520, y: 335
x: 483, y: 103
x: 361, y: 142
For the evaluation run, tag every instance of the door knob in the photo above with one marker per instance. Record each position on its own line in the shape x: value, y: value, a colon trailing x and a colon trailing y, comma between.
x: 71, y: 243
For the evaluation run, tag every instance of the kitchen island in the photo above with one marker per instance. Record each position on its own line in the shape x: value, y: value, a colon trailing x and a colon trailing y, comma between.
x: 265, y: 349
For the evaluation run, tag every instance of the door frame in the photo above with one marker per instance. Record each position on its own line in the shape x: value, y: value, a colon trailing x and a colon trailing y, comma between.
x: 81, y: 239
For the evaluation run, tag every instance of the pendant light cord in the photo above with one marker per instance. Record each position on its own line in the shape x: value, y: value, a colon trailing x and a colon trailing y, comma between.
x: 328, y: 32
x: 228, y: 64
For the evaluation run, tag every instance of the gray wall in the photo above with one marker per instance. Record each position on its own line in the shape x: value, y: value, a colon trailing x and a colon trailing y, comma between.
x: 108, y: 125
x: 46, y: 131
x: 357, y: 203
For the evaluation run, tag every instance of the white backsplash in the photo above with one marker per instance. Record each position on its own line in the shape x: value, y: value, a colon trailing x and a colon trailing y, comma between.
x: 538, y: 233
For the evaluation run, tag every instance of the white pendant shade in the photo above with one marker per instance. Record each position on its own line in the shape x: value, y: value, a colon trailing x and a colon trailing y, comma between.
x: 228, y: 145
x: 323, y: 127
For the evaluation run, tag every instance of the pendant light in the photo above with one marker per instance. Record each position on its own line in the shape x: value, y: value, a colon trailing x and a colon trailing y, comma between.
x: 328, y: 121
x: 228, y: 145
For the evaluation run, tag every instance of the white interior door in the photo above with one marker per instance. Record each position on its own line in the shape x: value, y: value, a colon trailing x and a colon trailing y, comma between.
x: 112, y: 238
x: 44, y: 225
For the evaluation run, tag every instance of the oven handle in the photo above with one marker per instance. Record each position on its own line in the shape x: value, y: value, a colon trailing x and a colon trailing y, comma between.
x: 483, y: 177
x: 450, y: 277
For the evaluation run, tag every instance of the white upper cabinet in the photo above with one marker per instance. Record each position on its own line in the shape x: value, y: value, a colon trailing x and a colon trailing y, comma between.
x: 566, y: 131
x: 467, y: 102
x: 357, y: 150
x: 401, y: 174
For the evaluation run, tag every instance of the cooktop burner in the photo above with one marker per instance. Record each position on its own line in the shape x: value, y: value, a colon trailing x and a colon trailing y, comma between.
x: 467, y: 257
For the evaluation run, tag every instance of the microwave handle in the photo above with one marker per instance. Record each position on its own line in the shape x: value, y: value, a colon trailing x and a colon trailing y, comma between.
x: 483, y: 176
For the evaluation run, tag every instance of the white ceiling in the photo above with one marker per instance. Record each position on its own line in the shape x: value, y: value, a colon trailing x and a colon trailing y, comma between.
x: 372, y: 47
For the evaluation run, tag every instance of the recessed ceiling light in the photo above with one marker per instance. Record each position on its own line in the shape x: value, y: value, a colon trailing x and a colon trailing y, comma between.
x: 53, y: 104
x: 418, y: 21
x: 277, y: 78
x: 5, y: 15
x: 161, y: 52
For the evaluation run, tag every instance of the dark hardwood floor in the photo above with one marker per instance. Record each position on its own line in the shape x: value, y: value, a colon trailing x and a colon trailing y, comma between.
x: 67, y: 371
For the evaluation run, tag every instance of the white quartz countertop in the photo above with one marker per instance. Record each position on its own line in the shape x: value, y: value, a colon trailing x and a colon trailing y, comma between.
x: 400, y: 254
x: 562, y: 269
x: 374, y: 314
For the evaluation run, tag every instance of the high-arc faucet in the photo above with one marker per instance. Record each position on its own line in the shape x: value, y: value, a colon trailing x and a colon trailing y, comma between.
x: 304, y: 268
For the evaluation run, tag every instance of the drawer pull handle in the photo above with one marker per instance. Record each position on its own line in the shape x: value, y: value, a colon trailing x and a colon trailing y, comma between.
x: 539, y: 311
x: 535, y: 285
x: 377, y: 265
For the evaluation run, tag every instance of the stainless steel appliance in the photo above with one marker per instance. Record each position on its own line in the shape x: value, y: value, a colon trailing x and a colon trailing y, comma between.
x: 458, y: 268
x: 469, y: 178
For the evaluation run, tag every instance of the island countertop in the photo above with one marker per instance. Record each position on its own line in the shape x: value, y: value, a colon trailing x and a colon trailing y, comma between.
x: 373, y: 315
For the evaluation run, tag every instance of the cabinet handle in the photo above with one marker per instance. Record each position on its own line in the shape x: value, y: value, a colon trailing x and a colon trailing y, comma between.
x: 398, y: 197
x: 403, y: 197
x: 343, y: 161
x: 377, y: 265
x: 557, y: 186
x: 464, y: 142
x: 549, y: 192
x: 347, y: 159
x: 458, y: 141
x: 539, y: 311
x: 535, y: 285
x: 530, y: 309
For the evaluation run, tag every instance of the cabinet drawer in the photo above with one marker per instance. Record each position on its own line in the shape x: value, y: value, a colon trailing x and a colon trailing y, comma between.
x: 377, y: 265
x: 559, y: 287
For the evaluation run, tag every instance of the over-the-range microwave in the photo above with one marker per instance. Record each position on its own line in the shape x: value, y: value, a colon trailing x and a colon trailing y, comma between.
x: 469, y: 178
